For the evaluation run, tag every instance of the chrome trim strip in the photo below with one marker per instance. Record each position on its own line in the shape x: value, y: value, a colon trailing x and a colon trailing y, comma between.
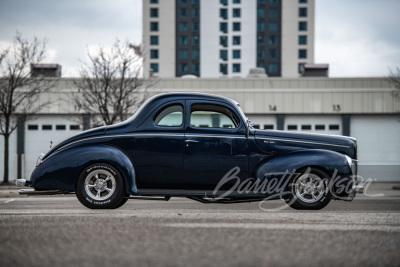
x: 217, y: 136
x: 305, y: 142
x: 122, y: 135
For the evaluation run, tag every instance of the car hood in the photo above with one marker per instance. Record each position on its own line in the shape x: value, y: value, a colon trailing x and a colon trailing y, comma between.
x: 83, y: 135
x: 285, y: 142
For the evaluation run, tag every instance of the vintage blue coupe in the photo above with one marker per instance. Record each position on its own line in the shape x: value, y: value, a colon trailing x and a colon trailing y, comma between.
x: 198, y: 146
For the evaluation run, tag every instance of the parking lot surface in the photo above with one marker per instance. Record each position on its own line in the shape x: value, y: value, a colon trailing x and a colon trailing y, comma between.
x: 59, y: 231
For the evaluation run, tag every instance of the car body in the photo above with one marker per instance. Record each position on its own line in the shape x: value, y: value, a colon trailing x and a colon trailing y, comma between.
x: 202, y: 147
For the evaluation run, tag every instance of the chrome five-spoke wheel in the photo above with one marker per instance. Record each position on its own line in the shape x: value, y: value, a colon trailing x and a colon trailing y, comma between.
x: 100, y: 184
x: 310, y: 188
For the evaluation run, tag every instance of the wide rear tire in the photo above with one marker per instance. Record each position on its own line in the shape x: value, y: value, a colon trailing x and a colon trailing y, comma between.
x: 100, y: 186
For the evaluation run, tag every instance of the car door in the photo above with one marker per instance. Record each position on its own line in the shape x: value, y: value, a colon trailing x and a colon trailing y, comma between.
x: 215, y: 145
x: 157, y: 151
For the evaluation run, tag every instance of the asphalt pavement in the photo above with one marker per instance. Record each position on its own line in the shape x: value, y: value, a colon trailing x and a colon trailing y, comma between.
x: 59, y: 231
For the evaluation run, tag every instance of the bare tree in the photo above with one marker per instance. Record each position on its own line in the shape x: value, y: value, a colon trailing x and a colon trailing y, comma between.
x: 394, y: 79
x: 109, y: 84
x: 19, y: 92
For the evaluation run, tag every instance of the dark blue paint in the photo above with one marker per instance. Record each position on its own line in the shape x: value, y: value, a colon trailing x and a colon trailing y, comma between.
x: 153, y: 157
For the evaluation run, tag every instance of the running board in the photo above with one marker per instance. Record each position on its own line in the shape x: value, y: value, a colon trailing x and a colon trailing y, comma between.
x: 32, y: 191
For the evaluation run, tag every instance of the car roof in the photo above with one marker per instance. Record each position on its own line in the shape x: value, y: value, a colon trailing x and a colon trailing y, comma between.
x: 193, y: 95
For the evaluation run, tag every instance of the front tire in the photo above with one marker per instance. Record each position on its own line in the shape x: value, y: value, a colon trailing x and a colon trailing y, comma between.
x: 100, y: 186
x: 309, y: 190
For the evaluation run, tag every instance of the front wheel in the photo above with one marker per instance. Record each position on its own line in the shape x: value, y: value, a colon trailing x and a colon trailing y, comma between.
x: 100, y: 186
x: 309, y: 190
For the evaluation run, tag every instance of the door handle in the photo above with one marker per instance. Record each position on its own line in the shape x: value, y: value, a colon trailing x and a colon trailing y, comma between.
x: 191, y: 141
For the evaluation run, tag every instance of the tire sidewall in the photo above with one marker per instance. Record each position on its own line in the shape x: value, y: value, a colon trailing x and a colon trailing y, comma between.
x: 111, y: 201
x: 297, y: 203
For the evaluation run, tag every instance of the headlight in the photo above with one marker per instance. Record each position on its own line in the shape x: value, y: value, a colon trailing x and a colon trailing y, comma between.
x: 349, y: 160
x: 39, y: 160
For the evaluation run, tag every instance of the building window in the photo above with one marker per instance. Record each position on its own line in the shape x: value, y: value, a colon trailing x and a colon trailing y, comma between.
x: 260, y: 12
x: 223, y: 54
x: 235, y: 68
x: 302, y: 39
x: 154, y: 40
x: 195, y: 26
x: 196, y: 54
x: 195, y: 1
x: 320, y: 127
x: 260, y: 1
x: 236, y: 1
x: 223, y: 2
x: 272, y: 68
x: 302, y: 25
x: 303, y: 1
x: 183, y: 67
x: 47, y: 127
x: 223, y: 13
x: 183, y: 12
x: 273, y: 1
x: 300, y: 67
x: 235, y: 54
x: 260, y: 64
x: 183, y: 54
x: 260, y: 54
x: 196, y: 67
x: 223, y: 27
x: 183, y: 1
x: 292, y: 127
x: 273, y: 26
x: 236, y: 26
x: 306, y: 127
x: 74, y: 127
x: 223, y: 68
x: 154, y: 67
x: 183, y: 26
x: 302, y: 53
x: 268, y: 126
x: 153, y: 1
x: 195, y: 12
x: 260, y: 26
x: 195, y: 40
x: 334, y: 127
x: 260, y: 39
x: 153, y: 53
x: 60, y: 127
x: 302, y: 12
x: 272, y: 53
x: 223, y: 40
x: 236, y: 12
x: 236, y: 40
x: 33, y: 127
x: 273, y: 40
x: 153, y: 26
x: 154, y: 12
x: 273, y: 12
x: 182, y: 40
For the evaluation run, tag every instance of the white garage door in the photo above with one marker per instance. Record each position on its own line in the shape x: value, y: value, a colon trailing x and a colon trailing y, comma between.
x: 378, y: 140
x: 323, y: 124
x: 39, y: 133
x: 267, y: 122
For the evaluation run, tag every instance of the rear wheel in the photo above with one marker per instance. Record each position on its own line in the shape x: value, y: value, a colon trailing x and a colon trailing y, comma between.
x: 309, y: 190
x: 100, y: 186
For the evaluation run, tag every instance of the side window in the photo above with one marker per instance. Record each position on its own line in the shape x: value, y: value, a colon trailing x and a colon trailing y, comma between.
x: 213, y: 116
x: 171, y: 116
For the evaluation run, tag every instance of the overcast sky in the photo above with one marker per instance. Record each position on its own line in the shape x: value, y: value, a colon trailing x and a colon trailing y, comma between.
x: 356, y: 37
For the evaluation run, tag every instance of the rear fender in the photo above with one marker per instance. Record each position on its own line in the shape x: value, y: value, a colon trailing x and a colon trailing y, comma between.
x: 61, y: 170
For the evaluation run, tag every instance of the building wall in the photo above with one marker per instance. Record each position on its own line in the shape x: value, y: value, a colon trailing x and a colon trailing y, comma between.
x: 291, y: 33
x: 166, y: 37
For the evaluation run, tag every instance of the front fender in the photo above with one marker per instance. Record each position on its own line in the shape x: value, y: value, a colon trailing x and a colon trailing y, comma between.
x: 284, y: 166
x: 61, y: 170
